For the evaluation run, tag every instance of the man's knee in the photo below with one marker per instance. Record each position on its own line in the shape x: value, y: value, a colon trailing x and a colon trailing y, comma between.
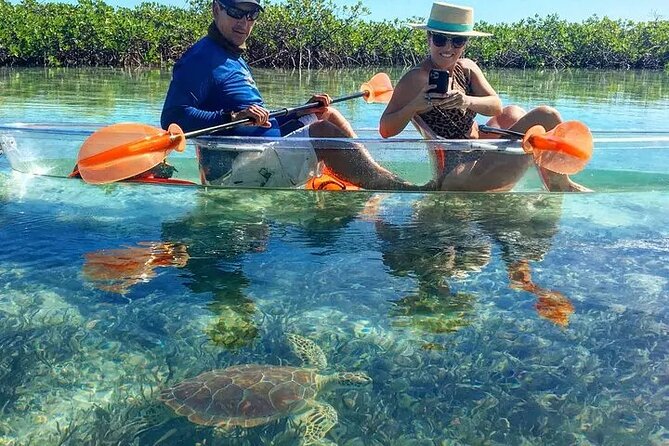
x: 335, y: 118
x: 325, y: 129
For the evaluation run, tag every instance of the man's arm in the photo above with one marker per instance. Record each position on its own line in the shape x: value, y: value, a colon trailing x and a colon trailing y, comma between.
x: 181, y: 106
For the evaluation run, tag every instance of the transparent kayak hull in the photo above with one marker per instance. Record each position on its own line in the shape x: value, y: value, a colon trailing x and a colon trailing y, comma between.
x: 621, y: 162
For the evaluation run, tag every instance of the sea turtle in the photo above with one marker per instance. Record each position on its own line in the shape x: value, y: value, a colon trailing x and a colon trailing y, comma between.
x: 249, y: 395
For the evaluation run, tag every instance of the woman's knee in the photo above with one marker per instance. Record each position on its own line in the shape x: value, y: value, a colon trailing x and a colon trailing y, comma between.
x: 513, y: 112
x: 547, y: 114
x: 509, y: 115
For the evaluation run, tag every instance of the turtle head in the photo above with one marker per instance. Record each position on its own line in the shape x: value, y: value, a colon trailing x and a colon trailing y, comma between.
x: 353, y: 379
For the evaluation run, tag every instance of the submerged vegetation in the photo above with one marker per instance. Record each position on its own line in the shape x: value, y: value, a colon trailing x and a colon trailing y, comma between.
x: 436, y: 297
x: 310, y: 34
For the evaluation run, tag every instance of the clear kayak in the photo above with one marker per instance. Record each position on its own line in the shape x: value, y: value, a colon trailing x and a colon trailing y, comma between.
x: 621, y: 161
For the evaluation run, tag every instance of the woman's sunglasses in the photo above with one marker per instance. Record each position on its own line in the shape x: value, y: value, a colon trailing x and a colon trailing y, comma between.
x: 237, y: 13
x: 443, y: 39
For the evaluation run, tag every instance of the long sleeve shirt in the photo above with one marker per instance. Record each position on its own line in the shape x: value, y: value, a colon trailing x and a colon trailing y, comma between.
x: 209, y: 81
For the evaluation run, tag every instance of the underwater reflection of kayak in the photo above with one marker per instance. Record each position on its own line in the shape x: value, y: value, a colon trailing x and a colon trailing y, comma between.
x: 286, y: 163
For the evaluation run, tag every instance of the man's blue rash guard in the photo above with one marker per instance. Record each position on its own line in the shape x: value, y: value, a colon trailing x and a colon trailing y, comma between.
x: 209, y: 82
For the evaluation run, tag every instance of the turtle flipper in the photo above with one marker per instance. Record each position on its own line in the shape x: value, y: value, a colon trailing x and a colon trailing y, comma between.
x: 315, y: 423
x: 307, y: 351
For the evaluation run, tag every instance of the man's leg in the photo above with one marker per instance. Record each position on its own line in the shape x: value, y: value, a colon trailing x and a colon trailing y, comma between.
x: 334, y: 117
x: 351, y: 161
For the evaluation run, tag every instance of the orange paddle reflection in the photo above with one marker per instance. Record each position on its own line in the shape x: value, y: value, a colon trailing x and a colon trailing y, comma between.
x: 554, y: 306
x: 551, y: 305
x: 117, y: 270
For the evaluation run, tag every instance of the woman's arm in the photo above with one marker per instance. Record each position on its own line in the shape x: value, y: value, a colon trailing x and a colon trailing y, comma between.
x: 483, y: 100
x: 408, y: 99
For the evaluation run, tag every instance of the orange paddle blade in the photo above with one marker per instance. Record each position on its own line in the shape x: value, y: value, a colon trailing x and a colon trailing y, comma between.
x: 328, y: 180
x: 379, y: 87
x: 124, y: 150
x: 565, y: 149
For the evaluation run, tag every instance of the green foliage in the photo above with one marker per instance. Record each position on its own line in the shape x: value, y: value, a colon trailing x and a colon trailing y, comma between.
x: 550, y: 42
x: 92, y: 33
x: 310, y: 34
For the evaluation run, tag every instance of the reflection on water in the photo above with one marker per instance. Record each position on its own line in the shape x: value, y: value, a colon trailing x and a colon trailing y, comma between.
x: 234, y: 327
x: 117, y: 270
x: 615, y: 100
x: 612, y: 87
x: 452, y: 236
x: 480, y: 319
x: 431, y: 312
x: 550, y: 304
x: 474, y: 315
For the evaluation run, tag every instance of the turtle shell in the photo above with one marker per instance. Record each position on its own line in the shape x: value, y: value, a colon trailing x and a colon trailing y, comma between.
x: 242, y: 395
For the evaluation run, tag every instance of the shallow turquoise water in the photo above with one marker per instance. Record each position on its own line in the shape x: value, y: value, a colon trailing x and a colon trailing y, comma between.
x: 482, y: 319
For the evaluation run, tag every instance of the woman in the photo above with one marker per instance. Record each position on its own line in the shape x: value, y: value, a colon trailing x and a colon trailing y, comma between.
x: 451, y: 115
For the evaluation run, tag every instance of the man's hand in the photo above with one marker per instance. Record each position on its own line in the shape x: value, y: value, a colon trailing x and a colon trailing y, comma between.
x: 321, y: 98
x: 259, y: 116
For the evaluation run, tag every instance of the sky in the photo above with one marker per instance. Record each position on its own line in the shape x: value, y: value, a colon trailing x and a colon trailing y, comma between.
x: 504, y: 11
x: 498, y: 11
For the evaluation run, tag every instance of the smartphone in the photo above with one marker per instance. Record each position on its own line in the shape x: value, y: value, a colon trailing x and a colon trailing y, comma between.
x: 440, y: 79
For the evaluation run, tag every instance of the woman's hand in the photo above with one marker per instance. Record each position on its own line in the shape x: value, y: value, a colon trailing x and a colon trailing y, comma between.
x: 259, y: 116
x: 451, y: 99
x: 425, y: 101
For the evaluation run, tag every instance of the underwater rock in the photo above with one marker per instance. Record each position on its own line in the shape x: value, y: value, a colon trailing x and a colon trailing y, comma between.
x: 350, y: 398
x: 647, y: 284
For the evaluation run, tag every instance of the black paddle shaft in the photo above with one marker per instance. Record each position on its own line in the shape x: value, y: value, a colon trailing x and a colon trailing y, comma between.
x: 488, y: 129
x: 272, y: 114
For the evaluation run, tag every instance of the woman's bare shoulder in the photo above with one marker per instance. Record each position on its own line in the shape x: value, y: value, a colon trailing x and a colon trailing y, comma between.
x: 468, y: 64
x: 417, y: 74
x: 471, y: 68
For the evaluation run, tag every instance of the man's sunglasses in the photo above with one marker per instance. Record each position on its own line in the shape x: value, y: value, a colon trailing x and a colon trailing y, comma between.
x: 237, y: 13
x: 443, y: 39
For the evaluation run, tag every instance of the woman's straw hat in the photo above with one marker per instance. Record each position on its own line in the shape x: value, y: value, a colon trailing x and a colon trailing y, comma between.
x: 450, y: 19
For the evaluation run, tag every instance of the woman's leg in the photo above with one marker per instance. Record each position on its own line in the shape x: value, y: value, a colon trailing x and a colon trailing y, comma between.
x: 492, y: 171
x: 545, y: 116
x: 509, y: 116
x: 548, y: 118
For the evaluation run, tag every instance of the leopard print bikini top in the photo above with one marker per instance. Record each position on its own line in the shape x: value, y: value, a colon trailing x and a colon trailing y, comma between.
x: 452, y: 123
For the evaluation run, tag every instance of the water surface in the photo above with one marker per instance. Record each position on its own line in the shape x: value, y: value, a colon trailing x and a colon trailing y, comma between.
x: 481, y: 318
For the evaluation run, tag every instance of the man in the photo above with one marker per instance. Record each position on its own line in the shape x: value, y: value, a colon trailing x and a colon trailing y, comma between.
x: 212, y: 85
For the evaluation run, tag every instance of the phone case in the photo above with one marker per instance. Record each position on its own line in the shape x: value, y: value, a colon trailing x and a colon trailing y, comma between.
x: 440, y: 79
